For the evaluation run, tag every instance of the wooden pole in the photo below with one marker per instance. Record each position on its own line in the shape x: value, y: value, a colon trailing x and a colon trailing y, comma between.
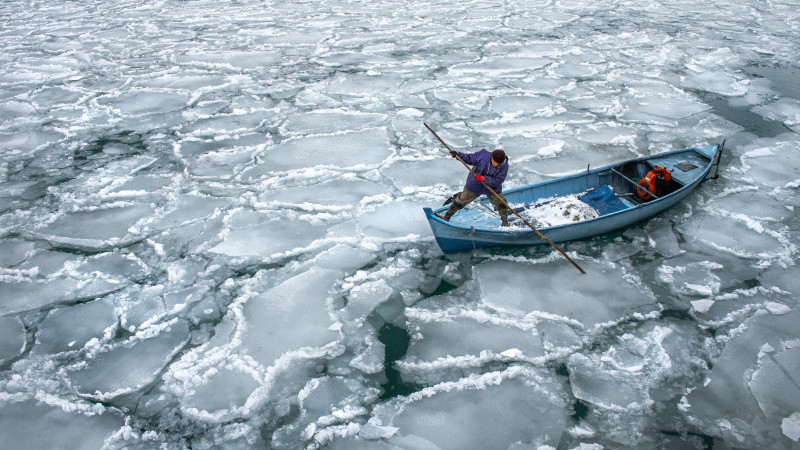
x: 506, y: 204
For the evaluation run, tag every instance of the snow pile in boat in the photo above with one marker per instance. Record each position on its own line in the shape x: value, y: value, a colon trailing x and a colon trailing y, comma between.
x: 553, y: 211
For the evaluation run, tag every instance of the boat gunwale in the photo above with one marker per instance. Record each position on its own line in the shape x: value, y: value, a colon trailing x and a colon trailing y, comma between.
x: 431, y: 214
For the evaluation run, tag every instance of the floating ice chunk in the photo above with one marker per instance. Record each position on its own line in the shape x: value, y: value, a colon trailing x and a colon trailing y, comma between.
x: 262, y: 235
x: 751, y: 206
x: 632, y: 372
x: 366, y: 147
x: 31, y: 425
x: 272, y: 328
x: 328, y: 194
x: 394, y: 220
x: 365, y: 297
x: 364, y: 86
x: 130, y: 366
x: 663, y: 238
x: 777, y: 308
x: 441, y: 342
x: 221, y: 165
x: 12, y: 109
x: 582, y: 431
x: 720, y: 82
x: 593, y: 299
x: 786, y: 110
x: 12, y: 337
x: 519, y: 104
x: 493, y: 410
x: 746, y: 397
x: 372, y: 359
x: 585, y: 446
x: 328, y: 122
x: 141, y: 184
x: 604, y: 388
x: 344, y: 258
x: 70, y: 327
x: 27, y: 141
x: 189, y: 209
x: 25, y: 295
x: 784, y: 277
x: 773, y: 166
x: 607, y: 133
x: 702, y: 306
x: 512, y: 353
x: 372, y: 432
x: 326, y: 402
x: 226, y: 389
x: 14, y: 251
x: 775, y: 382
x: 499, y: 66
x: 114, y: 267
x: 310, y: 97
x: 425, y: 173
x: 670, y: 108
x: 533, y: 149
x: 732, y: 237
x: 790, y: 426
x: 82, y: 229
x: 526, y: 126
x: 143, y: 102
x: 410, y: 112
x: 229, y: 59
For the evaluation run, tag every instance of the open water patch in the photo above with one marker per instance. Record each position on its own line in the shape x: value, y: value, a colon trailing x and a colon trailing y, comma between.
x: 396, y: 340
x: 743, y: 116
x: 782, y: 79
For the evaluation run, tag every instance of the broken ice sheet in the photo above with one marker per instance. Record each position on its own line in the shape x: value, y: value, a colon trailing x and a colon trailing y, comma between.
x: 226, y: 389
x: 624, y: 376
x: 692, y: 281
x: 492, y: 410
x: 80, y: 230
x: 252, y: 234
x: 366, y: 147
x: 775, y: 384
x: 543, y: 288
x: 130, y: 365
x: 394, y: 220
x: 71, y: 327
x: 772, y: 166
x: 32, y: 425
x: 270, y: 327
x: 443, y: 344
x: 26, y: 295
x: 736, y: 401
x: 738, y: 238
x: 12, y: 337
x: 14, y: 251
x: 327, y: 195
x: 324, y: 402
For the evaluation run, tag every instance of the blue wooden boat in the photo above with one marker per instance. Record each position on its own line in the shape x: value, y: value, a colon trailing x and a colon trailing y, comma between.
x: 611, y: 190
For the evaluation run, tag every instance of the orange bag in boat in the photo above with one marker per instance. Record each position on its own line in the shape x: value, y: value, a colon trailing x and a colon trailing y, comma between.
x: 655, y: 181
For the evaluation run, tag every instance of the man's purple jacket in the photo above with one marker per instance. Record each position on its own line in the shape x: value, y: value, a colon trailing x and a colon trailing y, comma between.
x: 482, y: 165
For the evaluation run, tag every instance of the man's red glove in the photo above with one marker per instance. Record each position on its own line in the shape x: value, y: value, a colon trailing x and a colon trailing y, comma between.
x: 479, y: 178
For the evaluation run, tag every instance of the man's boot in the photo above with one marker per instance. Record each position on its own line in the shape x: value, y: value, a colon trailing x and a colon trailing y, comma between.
x: 504, y: 218
x: 450, y: 211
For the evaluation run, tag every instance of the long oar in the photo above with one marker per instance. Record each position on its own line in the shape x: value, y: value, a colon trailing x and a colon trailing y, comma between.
x: 504, y: 202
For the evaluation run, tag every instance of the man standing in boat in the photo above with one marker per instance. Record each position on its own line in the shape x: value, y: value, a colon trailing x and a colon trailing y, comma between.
x: 490, y: 169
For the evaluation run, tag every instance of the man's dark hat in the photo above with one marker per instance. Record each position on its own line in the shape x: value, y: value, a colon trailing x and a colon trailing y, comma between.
x: 499, y: 156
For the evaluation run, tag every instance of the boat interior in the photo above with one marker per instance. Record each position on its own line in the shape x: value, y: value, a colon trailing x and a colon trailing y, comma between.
x: 607, y: 191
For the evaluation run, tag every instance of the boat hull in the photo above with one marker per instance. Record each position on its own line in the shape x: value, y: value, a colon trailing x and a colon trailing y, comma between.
x: 453, y: 237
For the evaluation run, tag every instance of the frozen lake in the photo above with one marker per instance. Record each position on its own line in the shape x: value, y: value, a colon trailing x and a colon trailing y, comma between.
x: 211, y: 226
